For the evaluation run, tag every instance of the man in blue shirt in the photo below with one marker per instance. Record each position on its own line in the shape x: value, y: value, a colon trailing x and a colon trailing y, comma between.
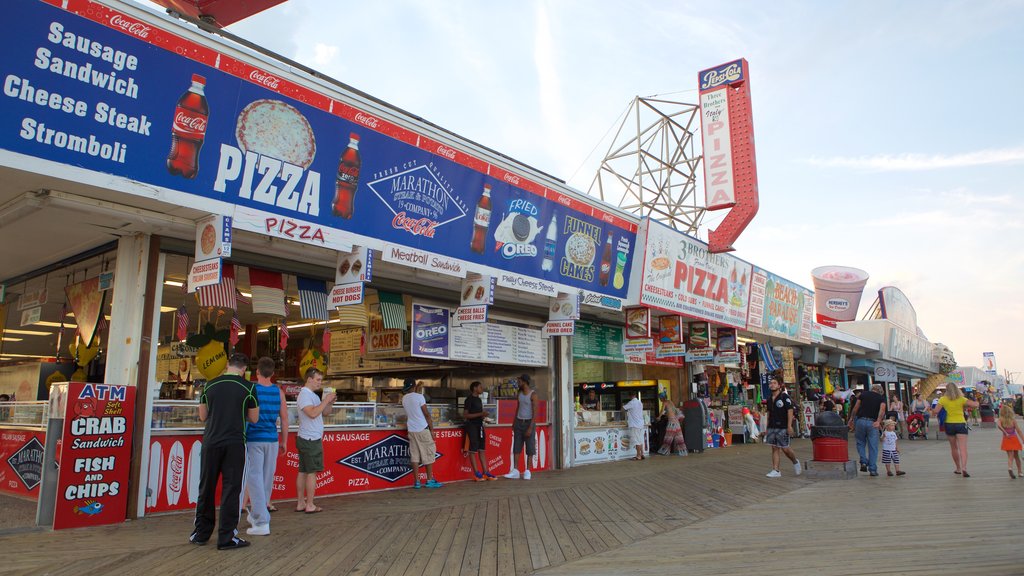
x: 262, y: 446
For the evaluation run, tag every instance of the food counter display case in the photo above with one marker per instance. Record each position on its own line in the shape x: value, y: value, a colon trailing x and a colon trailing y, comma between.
x: 22, y: 439
x: 602, y: 436
x: 365, y: 448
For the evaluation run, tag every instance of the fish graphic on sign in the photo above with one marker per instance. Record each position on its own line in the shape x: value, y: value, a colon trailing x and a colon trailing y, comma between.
x: 156, y: 471
x: 194, y: 466
x: 91, y: 508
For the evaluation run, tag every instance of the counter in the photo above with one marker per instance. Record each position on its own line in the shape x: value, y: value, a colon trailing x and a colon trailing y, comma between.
x: 602, y: 436
x: 365, y: 448
x: 22, y: 439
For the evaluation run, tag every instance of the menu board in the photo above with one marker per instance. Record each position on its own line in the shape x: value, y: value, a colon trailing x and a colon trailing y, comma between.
x: 597, y: 342
x: 344, y: 354
x: 499, y: 344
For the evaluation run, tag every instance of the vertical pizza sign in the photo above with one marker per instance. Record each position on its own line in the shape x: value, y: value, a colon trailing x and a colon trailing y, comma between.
x: 95, y: 458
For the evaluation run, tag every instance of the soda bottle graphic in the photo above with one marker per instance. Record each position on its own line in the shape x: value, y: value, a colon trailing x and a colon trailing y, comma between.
x: 191, y: 115
x: 550, y: 244
x: 348, y: 179
x: 606, y: 261
x: 619, y: 279
x: 481, y: 221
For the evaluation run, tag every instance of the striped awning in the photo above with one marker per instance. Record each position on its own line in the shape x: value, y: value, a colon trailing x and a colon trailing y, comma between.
x: 768, y: 356
x: 392, y: 310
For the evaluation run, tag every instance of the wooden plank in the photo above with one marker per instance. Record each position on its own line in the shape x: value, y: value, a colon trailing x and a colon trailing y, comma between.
x: 431, y: 542
x: 407, y: 548
x: 474, y: 541
x: 435, y: 564
x: 520, y: 544
x: 457, y: 551
x: 538, y: 553
x: 391, y: 532
x: 613, y: 525
x: 504, y: 561
x: 563, y: 539
x: 346, y: 547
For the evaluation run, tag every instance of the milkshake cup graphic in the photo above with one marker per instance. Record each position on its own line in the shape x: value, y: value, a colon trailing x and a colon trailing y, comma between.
x: 837, y: 292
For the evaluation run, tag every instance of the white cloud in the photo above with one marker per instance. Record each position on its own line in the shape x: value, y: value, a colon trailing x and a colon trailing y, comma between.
x: 912, y: 162
x: 324, y: 54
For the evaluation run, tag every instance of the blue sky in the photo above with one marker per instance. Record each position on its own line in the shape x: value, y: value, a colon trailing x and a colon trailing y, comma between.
x: 888, y: 134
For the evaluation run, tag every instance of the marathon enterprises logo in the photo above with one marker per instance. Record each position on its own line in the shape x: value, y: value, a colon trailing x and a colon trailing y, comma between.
x: 730, y: 72
x: 265, y: 79
x: 387, y: 459
x: 419, y: 197
x: 367, y: 120
x: 130, y: 26
x: 27, y: 463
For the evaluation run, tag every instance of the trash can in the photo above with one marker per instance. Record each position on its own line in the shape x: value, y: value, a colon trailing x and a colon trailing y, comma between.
x: 830, y: 438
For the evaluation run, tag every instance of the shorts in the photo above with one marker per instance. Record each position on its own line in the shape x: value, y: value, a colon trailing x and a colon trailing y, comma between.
x: 778, y: 437
x: 519, y: 437
x: 311, y: 455
x: 636, y: 437
x: 954, y: 429
x: 422, y: 450
x: 477, y: 436
x: 890, y: 456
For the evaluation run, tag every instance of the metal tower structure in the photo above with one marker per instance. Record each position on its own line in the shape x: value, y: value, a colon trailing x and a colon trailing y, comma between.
x: 651, y: 166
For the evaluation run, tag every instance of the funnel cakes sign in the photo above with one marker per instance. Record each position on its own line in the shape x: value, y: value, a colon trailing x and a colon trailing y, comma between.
x: 681, y: 276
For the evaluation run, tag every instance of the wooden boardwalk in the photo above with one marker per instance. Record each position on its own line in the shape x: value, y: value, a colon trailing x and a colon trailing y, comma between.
x: 711, y: 513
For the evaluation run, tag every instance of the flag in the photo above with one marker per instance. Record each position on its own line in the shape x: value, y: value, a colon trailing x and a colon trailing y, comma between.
x: 267, y: 292
x: 354, y: 315
x: 236, y: 327
x: 392, y: 310
x: 284, y: 334
x: 242, y: 297
x: 182, y: 322
x: 326, y: 343
x: 220, y: 295
x: 313, y: 299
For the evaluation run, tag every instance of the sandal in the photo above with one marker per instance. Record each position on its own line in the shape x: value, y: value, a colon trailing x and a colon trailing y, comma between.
x: 636, y: 458
x: 271, y: 508
x: 315, y: 510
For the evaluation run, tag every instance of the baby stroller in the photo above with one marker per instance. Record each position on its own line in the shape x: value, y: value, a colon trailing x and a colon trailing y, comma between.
x: 917, y: 426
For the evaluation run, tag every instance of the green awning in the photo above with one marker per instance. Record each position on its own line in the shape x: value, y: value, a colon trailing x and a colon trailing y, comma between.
x: 392, y: 310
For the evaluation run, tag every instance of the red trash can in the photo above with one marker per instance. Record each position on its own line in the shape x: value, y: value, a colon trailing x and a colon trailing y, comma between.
x: 830, y: 438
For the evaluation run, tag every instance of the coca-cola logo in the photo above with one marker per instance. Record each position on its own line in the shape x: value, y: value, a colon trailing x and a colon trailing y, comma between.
x: 415, y: 226
x: 367, y: 120
x: 565, y: 200
x: 511, y: 178
x: 265, y: 79
x: 130, y: 26
x: 718, y: 76
x: 446, y: 152
x: 187, y: 122
x: 176, y: 472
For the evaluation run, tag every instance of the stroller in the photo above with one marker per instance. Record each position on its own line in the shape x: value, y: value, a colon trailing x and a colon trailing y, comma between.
x: 917, y: 426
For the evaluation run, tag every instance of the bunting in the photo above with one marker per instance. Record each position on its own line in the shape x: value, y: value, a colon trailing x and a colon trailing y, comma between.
x: 354, y: 315
x: 313, y: 299
x: 267, y: 292
x: 392, y: 310
x: 220, y: 295
x: 236, y: 327
x: 284, y: 335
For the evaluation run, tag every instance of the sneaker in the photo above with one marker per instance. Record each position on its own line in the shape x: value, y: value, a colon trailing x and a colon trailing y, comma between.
x: 774, y: 474
x: 433, y: 484
x: 417, y: 485
x: 874, y: 473
x: 479, y: 477
x: 527, y: 475
x: 259, y: 530
x: 797, y: 468
x: 490, y: 476
x: 194, y: 540
x: 863, y: 467
x: 888, y: 474
x: 234, y: 543
x: 513, y: 474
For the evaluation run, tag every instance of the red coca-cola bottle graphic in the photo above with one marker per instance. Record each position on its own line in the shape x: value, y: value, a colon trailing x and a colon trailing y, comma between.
x: 481, y: 221
x: 188, y: 130
x: 606, y: 261
x: 348, y: 179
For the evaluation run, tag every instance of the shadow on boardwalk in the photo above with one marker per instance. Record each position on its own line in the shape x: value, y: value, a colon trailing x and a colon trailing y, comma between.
x: 709, y: 513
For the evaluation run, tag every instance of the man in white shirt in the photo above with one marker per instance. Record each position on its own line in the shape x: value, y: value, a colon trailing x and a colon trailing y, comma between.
x: 420, y: 428
x: 309, y: 441
x: 635, y: 420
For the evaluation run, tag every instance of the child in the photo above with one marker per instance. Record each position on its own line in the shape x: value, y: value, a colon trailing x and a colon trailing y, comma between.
x: 1011, y: 438
x: 890, y: 452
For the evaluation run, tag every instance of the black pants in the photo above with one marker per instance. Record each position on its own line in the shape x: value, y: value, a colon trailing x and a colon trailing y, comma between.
x: 226, y: 463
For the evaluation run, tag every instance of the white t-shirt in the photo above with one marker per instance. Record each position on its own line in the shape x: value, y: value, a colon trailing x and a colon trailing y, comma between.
x: 413, y: 403
x: 888, y: 440
x: 309, y: 428
x: 634, y: 413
